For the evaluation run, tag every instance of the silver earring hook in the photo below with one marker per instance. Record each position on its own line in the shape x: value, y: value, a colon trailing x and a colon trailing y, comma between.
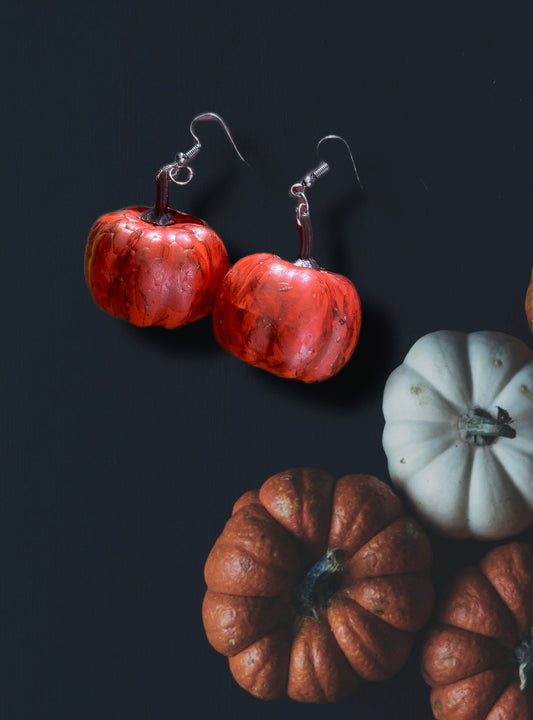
x: 297, y: 191
x: 338, y: 137
x: 183, y: 159
x: 298, y: 188
x: 160, y: 213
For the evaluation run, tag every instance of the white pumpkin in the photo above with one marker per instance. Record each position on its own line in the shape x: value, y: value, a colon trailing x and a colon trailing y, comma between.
x: 459, y: 433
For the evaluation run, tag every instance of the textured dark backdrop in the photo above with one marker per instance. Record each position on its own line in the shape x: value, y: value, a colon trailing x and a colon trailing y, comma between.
x: 125, y: 448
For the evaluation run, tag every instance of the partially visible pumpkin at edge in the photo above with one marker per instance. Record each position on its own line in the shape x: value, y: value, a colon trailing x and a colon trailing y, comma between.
x: 477, y: 655
x: 458, y: 433
x: 529, y: 303
x: 316, y: 584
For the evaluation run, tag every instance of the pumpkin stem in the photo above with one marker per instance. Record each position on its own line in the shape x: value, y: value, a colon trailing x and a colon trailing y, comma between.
x: 320, y: 582
x: 305, y: 233
x: 524, y: 655
x: 297, y: 191
x: 479, y: 427
x: 159, y: 214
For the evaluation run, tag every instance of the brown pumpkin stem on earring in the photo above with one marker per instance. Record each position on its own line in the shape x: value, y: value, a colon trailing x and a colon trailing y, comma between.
x: 305, y: 231
x: 159, y: 214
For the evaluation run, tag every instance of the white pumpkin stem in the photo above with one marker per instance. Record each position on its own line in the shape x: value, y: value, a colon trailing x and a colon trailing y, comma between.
x: 479, y: 427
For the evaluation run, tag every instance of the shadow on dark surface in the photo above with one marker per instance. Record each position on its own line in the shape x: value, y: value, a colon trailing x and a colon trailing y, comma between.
x: 363, y: 376
x: 195, y: 338
x: 360, y: 379
x: 345, y: 212
x: 348, y: 206
x: 407, y: 687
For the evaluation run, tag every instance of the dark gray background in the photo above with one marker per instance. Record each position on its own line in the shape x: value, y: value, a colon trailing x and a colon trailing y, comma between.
x: 124, y: 447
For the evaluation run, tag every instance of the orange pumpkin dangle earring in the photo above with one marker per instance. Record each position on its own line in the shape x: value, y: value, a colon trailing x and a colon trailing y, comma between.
x: 158, y: 266
x: 294, y: 319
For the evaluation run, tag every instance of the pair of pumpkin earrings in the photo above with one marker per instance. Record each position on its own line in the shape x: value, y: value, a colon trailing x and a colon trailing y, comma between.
x: 159, y: 266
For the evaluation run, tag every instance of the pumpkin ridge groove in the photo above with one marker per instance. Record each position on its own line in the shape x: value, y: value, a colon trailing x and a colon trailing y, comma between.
x: 515, y: 371
x: 453, y: 406
x: 495, y: 666
x: 349, y: 556
x: 507, y: 663
x: 467, y: 362
x: 366, y: 642
x: 328, y: 620
x: 438, y: 440
x: 315, y: 361
x: 283, y: 625
x: 516, y: 365
x: 524, y: 498
x: 469, y: 467
x: 523, y: 631
x: 411, y: 618
x: 502, y: 693
x: 341, y: 592
x: 316, y: 357
x: 424, y: 472
x: 506, y: 479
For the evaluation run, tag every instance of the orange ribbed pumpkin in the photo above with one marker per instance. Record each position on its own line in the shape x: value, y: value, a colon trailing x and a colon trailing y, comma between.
x: 154, y: 274
x: 478, y: 656
x: 296, y: 321
x: 316, y: 584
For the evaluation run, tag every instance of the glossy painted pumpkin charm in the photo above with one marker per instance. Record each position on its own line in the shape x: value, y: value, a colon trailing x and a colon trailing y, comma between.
x: 294, y: 319
x: 157, y: 266
x: 151, y: 274
x: 478, y: 655
x: 316, y: 584
x: 459, y: 433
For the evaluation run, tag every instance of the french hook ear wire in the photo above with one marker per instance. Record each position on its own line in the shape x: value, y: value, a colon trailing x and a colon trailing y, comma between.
x: 338, y: 137
x: 159, y: 214
x: 298, y: 189
x: 297, y: 192
x: 183, y: 159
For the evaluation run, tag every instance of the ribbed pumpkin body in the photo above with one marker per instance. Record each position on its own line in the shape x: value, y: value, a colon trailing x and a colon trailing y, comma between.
x: 154, y: 275
x: 484, y: 625
x: 288, y: 630
x: 458, y: 433
x: 296, y: 322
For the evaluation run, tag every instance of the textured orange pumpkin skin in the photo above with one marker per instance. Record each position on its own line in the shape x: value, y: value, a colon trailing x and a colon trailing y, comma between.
x: 529, y: 303
x: 154, y: 275
x: 365, y: 629
x: 296, y: 322
x: 468, y: 655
